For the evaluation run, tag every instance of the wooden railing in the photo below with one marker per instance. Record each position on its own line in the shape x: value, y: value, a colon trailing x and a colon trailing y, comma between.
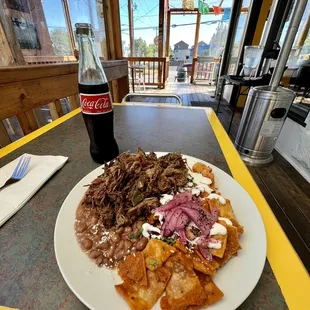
x: 153, y: 70
x: 24, y: 88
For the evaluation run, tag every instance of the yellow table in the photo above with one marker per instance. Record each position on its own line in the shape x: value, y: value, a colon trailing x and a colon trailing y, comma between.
x: 287, y: 268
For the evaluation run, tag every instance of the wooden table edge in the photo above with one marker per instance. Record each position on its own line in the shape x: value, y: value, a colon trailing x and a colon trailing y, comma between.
x: 287, y: 267
x: 284, y: 261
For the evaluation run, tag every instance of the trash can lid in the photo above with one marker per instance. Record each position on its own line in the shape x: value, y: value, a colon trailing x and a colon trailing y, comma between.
x: 264, y: 92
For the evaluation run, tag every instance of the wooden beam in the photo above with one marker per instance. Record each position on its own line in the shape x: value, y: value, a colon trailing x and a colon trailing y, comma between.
x: 24, y: 73
x: 197, y: 35
x: 38, y: 18
x: 26, y: 95
x: 48, y: 59
x: 53, y: 111
x: 4, y: 137
x: 161, y: 20
x: 304, y: 32
x: 152, y: 59
x: 5, y: 51
x: 168, y: 34
x: 113, y: 29
x: 74, y: 101
x: 114, y: 45
x: 10, y: 37
x: 69, y: 24
x: 28, y: 87
x: 195, y: 45
x: 114, y: 69
x: 131, y: 31
x: 122, y: 87
x: 27, y: 121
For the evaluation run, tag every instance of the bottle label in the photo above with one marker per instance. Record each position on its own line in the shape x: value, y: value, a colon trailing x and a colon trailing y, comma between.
x: 96, y: 103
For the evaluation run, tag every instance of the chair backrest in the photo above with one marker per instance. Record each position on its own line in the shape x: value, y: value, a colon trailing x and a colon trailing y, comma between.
x: 24, y: 88
x: 161, y: 98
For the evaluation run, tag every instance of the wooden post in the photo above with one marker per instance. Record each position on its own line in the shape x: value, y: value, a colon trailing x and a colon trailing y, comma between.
x: 38, y: 18
x: 167, y: 54
x: 161, y: 19
x: 69, y: 24
x: 195, y: 45
x: 112, y: 23
x: 4, y: 137
x: 74, y: 101
x: 168, y: 34
x: 304, y: 32
x: 13, y: 53
x: 12, y: 45
x: 27, y: 122
x: 113, y: 28
x: 131, y: 31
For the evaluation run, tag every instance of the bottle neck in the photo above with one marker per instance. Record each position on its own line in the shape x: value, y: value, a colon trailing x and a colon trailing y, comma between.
x: 90, y: 68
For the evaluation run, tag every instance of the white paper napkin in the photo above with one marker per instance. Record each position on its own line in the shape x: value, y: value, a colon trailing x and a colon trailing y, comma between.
x: 15, y: 196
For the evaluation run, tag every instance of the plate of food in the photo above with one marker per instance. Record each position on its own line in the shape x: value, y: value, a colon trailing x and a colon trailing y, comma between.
x: 160, y: 231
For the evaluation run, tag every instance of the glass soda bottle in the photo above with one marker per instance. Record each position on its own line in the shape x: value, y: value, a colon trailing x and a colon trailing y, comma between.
x: 95, y: 97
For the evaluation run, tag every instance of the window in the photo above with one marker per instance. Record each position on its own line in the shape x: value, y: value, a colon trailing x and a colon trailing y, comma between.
x: 90, y: 11
x: 238, y: 38
x: 57, y: 27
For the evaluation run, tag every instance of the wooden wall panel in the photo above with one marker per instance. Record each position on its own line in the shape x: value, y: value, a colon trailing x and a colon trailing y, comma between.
x: 26, y: 95
x: 28, y: 87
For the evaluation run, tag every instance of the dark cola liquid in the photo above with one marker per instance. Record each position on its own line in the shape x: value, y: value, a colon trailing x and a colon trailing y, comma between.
x: 100, y: 128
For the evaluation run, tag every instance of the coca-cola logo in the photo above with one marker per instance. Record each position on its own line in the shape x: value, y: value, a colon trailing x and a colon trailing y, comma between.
x: 96, y: 104
x: 101, y: 103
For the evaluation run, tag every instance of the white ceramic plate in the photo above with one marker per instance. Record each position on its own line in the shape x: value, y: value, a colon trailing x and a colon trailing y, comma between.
x: 94, y: 286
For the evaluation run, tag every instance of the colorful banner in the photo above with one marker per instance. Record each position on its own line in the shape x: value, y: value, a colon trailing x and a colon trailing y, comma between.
x: 203, y: 7
x: 226, y: 15
x: 217, y: 10
x: 188, y: 4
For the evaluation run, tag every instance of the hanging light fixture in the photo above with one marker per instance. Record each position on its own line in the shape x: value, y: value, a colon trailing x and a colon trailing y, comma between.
x: 188, y: 5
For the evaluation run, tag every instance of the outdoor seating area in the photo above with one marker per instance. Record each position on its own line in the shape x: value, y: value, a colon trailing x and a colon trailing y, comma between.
x: 154, y: 154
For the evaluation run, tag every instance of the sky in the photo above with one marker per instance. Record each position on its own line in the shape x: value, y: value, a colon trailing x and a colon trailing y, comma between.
x: 80, y: 11
x: 178, y: 33
x: 145, y: 15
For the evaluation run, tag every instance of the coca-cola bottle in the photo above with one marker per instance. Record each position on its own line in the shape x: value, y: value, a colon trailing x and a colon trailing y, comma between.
x: 95, y: 98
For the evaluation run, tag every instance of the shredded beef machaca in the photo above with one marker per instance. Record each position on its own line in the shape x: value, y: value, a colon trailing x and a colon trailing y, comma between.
x: 131, y: 185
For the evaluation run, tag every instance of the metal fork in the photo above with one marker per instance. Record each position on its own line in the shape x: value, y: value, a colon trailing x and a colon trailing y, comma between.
x: 19, y: 172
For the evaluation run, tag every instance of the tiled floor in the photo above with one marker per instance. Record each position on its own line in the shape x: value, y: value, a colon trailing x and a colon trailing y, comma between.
x: 290, y: 206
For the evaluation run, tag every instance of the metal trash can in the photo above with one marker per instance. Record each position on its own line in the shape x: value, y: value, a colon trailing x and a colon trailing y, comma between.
x: 181, y: 74
x: 261, y: 123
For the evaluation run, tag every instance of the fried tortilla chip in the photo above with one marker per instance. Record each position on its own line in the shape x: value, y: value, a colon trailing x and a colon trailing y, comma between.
x: 213, y: 293
x: 200, y: 266
x: 199, y: 167
x: 221, y: 238
x: 141, y: 298
x: 232, y: 245
x: 207, y: 173
x: 133, y: 269
x: 226, y: 210
x: 183, y: 289
x: 205, y: 203
x: 219, y: 252
x: 213, y: 265
x: 180, y: 246
x: 239, y: 227
x: 156, y: 253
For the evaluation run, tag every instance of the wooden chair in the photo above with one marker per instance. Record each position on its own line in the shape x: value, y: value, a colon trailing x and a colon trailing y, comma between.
x: 24, y: 88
